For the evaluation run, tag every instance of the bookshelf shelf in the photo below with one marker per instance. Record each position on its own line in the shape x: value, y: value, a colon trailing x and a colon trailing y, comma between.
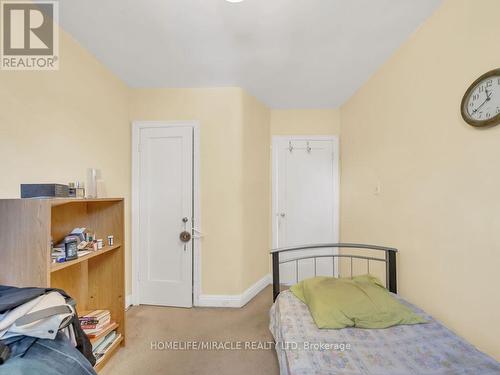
x: 110, y: 328
x: 96, y: 280
x: 111, y: 351
x: 59, y: 266
x: 61, y: 201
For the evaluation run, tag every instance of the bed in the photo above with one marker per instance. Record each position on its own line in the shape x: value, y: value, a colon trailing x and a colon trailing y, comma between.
x: 419, y: 349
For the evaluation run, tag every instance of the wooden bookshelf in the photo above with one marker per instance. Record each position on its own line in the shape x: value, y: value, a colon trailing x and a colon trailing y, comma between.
x: 95, y: 281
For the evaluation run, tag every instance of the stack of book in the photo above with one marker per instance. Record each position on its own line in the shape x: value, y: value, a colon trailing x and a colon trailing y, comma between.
x: 58, y: 255
x: 103, y: 344
x: 95, y: 322
x: 101, y: 331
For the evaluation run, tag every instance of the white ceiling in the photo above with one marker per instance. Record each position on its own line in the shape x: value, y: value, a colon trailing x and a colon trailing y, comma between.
x: 288, y: 53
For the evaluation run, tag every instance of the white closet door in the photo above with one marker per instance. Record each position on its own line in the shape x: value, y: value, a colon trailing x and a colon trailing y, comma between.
x: 305, y: 204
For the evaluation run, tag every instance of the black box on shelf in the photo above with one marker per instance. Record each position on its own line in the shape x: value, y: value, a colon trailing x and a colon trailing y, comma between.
x: 44, y: 191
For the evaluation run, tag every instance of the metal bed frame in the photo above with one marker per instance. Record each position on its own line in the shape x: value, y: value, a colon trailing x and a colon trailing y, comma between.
x: 389, y: 259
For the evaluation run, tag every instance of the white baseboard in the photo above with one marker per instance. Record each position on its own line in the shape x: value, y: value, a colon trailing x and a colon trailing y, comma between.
x: 128, y: 301
x: 236, y: 300
x: 255, y: 289
x: 220, y: 300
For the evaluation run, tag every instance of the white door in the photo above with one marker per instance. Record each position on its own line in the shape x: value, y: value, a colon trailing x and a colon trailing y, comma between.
x: 305, y: 202
x: 165, y: 210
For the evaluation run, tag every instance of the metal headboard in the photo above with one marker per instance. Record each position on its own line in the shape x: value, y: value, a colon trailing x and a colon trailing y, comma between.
x: 389, y: 260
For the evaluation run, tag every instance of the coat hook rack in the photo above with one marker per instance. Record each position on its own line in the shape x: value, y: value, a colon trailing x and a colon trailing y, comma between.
x: 290, y: 147
x: 308, y: 148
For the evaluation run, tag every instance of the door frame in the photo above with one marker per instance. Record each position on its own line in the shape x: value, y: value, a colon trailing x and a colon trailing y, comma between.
x: 137, y: 126
x: 336, y: 176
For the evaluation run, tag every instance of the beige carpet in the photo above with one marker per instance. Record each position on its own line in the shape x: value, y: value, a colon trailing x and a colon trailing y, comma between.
x: 147, y: 324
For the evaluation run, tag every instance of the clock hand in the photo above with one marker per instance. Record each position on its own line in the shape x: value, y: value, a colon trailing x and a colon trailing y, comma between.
x: 488, y: 98
x: 478, y: 108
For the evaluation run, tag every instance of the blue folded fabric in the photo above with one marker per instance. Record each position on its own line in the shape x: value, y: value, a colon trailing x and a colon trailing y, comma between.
x: 30, y: 355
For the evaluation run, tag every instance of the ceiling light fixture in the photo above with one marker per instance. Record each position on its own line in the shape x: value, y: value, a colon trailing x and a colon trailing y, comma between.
x: 234, y: 1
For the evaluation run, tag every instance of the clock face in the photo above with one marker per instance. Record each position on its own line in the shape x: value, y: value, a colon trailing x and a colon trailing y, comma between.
x: 481, y: 104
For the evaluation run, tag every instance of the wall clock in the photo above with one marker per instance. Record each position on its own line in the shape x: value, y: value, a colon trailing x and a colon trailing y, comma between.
x: 481, y: 102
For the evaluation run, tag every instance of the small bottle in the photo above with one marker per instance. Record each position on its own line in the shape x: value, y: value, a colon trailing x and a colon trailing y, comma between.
x: 89, y: 236
x: 80, y: 190
x: 71, y: 190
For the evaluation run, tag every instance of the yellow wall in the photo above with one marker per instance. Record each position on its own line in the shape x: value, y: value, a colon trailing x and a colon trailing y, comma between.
x: 54, y: 125
x: 256, y: 190
x: 234, y: 164
x: 440, y: 197
x: 305, y: 121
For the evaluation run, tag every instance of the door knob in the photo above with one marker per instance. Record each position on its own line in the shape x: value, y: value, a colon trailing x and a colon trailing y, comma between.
x: 185, y: 236
x: 282, y: 214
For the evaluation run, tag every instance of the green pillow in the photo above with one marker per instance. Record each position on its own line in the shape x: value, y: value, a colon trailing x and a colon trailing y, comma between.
x: 361, y: 302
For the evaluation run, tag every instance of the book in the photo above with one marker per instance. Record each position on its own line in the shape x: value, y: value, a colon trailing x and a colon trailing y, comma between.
x: 103, y: 343
x: 98, y: 342
x: 88, y: 322
x: 94, y: 322
x: 106, y: 343
x: 94, y: 315
x: 91, y: 334
x: 94, y: 326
